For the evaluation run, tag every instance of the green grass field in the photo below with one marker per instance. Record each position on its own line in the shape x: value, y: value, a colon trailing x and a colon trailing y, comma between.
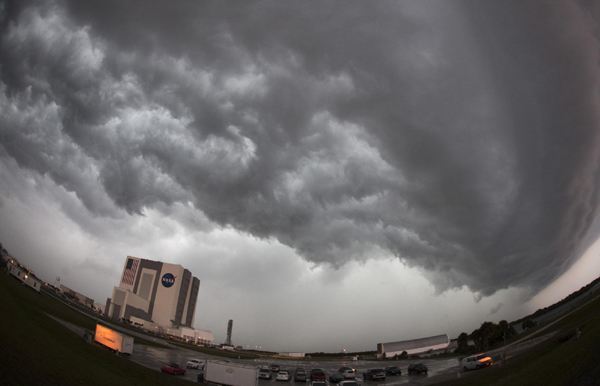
x: 37, y: 350
x: 561, y: 360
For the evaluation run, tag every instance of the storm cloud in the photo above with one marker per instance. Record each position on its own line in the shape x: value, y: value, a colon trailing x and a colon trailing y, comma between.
x: 460, y: 137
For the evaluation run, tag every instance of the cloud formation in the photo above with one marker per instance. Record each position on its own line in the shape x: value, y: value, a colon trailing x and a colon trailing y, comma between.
x: 428, y: 131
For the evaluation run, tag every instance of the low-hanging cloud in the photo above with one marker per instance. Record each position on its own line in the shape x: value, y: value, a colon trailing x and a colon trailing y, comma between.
x: 429, y: 131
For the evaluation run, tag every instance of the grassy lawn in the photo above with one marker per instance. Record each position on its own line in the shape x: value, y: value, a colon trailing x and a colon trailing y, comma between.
x: 562, y: 360
x: 37, y: 350
x: 89, y: 322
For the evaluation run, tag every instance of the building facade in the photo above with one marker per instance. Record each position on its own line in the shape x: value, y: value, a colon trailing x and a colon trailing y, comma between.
x: 161, y: 293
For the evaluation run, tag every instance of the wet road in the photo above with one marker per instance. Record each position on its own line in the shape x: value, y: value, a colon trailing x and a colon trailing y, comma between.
x: 155, y: 357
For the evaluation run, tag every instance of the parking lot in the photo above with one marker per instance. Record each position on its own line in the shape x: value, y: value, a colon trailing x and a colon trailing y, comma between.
x: 155, y: 357
x: 436, y: 367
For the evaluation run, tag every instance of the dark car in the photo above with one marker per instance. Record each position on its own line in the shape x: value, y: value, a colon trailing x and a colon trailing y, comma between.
x: 374, y: 374
x: 418, y: 368
x: 300, y: 375
x: 264, y: 374
x: 173, y: 369
x: 318, y: 375
x: 341, y: 369
x: 336, y: 378
x: 393, y: 370
x: 274, y: 368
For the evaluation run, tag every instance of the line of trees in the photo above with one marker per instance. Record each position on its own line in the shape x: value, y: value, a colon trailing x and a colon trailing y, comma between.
x: 485, y: 337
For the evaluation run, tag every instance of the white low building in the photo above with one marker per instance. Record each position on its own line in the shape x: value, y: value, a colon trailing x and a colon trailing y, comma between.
x: 292, y: 354
x: 413, y: 346
x: 22, y: 274
x: 188, y: 334
x: 193, y: 335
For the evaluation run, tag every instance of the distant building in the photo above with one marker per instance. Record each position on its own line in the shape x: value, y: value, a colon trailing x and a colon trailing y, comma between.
x: 67, y: 291
x: 414, y: 346
x: 187, y: 334
x: 162, y: 294
x: 292, y: 354
x: 202, y: 337
x: 100, y: 308
x: 74, y: 295
x: 23, y: 274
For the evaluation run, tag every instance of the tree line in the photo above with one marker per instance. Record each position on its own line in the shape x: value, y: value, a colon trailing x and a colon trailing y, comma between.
x: 485, y: 337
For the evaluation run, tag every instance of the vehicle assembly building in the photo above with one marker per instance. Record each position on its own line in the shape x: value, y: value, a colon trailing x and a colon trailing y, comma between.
x: 161, y: 293
x: 414, y: 346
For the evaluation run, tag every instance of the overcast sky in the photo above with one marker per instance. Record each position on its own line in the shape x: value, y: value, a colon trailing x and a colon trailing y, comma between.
x: 337, y: 174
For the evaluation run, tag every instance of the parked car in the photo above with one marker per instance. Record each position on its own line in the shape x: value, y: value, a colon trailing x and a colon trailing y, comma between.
x: 264, y: 374
x: 348, y: 373
x: 318, y: 375
x: 341, y: 369
x: 274, y: 368
x: 393, y: 370
x: 300, y: 375
x: 336, y: 378
x: 348, y: 383
x: 195, y: 364
x: 476, y: 362
x: 374, y: 374
x: 173, y: 368
x: 318, y: 383
x: 283, y: 375
x: 418, y: 368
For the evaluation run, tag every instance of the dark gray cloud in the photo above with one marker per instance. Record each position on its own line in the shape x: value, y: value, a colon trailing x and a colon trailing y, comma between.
x: 461, y: 137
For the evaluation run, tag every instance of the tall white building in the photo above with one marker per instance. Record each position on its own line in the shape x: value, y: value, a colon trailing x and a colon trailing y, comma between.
x: 161, y: 293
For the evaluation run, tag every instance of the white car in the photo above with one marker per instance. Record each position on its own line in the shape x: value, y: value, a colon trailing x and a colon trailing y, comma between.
x: 476, y: 362
x: 283, y: 375
x: 195, y: 364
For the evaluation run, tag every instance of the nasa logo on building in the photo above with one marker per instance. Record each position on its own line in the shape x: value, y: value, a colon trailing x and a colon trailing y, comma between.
x: 168, y: 280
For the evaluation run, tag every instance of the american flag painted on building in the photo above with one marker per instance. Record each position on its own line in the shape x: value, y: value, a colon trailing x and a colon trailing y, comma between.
x: 130, y: 270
